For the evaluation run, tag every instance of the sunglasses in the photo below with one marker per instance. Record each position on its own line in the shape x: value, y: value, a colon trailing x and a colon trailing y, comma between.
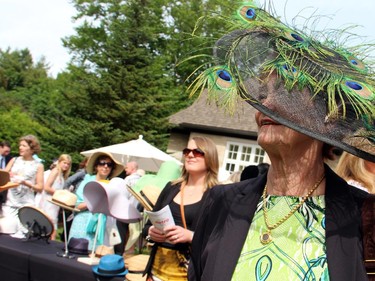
x: 196, y: 152
x: 103, y: 163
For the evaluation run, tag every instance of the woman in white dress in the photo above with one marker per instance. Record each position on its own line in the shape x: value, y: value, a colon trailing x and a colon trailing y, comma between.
x: 29, y: 173
x: 55, y: 181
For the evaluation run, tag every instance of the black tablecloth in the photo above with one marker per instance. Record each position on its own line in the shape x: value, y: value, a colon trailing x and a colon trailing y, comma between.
x: 35, y: 260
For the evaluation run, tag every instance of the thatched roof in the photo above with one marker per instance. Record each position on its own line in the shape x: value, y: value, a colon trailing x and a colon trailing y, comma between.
x: 209, y: 117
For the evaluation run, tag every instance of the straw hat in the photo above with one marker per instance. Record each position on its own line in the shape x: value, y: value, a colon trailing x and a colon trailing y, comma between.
x: 118, y: 169
x: 137, y: 263
x: 65, y: 199
x: 135, y: 277
x: 147, y: 196
x: 103, y: 250
x: 5, y: 182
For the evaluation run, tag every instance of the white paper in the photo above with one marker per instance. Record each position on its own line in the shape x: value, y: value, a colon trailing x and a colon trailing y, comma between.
x: 89, y: 260
x: 161, y: 218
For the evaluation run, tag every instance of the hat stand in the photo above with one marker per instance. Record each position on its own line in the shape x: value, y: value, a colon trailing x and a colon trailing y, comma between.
x: 66, y: 253
x: 92, y: 260
x: 42, y: 233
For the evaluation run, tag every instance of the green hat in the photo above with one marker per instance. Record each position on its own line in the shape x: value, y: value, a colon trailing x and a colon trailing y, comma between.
x: 168, y: 171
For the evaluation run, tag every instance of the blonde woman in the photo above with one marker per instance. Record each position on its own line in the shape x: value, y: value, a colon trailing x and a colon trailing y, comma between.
x: 55, y: 181
x: 357, y: 172
x: 170, y: 253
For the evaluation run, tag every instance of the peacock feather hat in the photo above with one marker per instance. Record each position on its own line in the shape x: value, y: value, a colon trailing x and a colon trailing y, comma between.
x: 319, y: 87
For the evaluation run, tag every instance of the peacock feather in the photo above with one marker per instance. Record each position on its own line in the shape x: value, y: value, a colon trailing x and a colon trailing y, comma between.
x: 221, y: 86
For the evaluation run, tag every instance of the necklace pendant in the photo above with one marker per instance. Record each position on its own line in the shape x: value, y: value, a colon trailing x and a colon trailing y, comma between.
x: 265, y: 237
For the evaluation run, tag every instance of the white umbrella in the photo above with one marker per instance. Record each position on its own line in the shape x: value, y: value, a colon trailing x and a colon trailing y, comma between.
x: 148, y: 157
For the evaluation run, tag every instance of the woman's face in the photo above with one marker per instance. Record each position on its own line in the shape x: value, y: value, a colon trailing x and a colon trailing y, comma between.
x: 104, y: 168
x: 64, y: 165
x: 194, y: 164
x: 25, y: 149
x: 272, y: 135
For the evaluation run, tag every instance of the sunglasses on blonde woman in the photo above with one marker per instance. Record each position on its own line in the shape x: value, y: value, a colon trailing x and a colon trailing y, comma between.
x: 196, y: 152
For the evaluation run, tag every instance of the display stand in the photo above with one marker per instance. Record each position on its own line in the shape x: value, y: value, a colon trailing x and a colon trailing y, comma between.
x: 91, y: 259
x: 66, y: 253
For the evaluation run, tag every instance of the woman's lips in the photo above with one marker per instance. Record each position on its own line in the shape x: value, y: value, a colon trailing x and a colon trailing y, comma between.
x: 264, y: 122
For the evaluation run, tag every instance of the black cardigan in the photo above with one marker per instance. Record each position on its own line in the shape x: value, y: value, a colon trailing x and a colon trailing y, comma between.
x: 227, y: 213
x: 165, y: 198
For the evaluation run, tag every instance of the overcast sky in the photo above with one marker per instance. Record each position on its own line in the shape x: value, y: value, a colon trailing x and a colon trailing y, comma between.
x: 39, y: 25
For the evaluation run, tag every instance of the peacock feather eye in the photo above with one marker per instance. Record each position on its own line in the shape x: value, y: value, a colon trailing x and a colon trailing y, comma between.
x: 224, y: 78
x: 293, y: 36
x: 248, y: 13
x: 289, y: 71
x: 356, y: 63
x: 359, y: 89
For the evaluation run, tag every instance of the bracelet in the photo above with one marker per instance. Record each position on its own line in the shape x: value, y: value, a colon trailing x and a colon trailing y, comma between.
x: 148, y: 238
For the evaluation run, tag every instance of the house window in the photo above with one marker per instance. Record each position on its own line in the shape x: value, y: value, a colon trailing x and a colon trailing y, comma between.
x: 238, y: 156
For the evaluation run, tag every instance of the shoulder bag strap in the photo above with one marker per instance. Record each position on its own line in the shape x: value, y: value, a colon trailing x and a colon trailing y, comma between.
x: 182, y: 210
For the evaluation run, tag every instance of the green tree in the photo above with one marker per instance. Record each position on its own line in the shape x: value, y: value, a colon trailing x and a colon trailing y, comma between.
x: 125, y: 78
x: 120, y: 64
x: 17, y: 69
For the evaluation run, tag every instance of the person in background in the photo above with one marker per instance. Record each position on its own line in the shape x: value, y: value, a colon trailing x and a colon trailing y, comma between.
x: 74, y: 180
x: 357, y: 172
x: 131, y: 169
x: 252, y: 171
x: 101, y: 166
x: 72, y: 184
x: 40, y: 194
x: 5, y: 157
x: 55, y: 181
x: 28, y: 172
x: 131, y: 179
x: 171, y: 250
x: 234, y: 177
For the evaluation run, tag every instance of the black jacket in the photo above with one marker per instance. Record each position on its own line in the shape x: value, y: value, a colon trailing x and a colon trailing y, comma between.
x: 165, y: 198
x: 228, y: 212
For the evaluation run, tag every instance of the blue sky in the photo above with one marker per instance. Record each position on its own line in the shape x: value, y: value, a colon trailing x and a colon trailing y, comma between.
x: 40, y: 24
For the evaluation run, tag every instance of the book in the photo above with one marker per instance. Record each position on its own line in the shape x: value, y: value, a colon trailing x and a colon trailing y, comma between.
x: 162, y: 218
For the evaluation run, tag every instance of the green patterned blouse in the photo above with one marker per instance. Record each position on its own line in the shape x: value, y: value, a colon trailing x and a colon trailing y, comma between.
x: 297, y: 250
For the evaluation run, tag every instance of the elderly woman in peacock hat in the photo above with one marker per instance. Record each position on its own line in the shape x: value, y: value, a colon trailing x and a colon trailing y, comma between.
x: 299, y: 221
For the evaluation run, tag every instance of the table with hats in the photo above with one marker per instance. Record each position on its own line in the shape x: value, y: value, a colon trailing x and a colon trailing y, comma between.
x: 37, y: 260
x: 34, y: 257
